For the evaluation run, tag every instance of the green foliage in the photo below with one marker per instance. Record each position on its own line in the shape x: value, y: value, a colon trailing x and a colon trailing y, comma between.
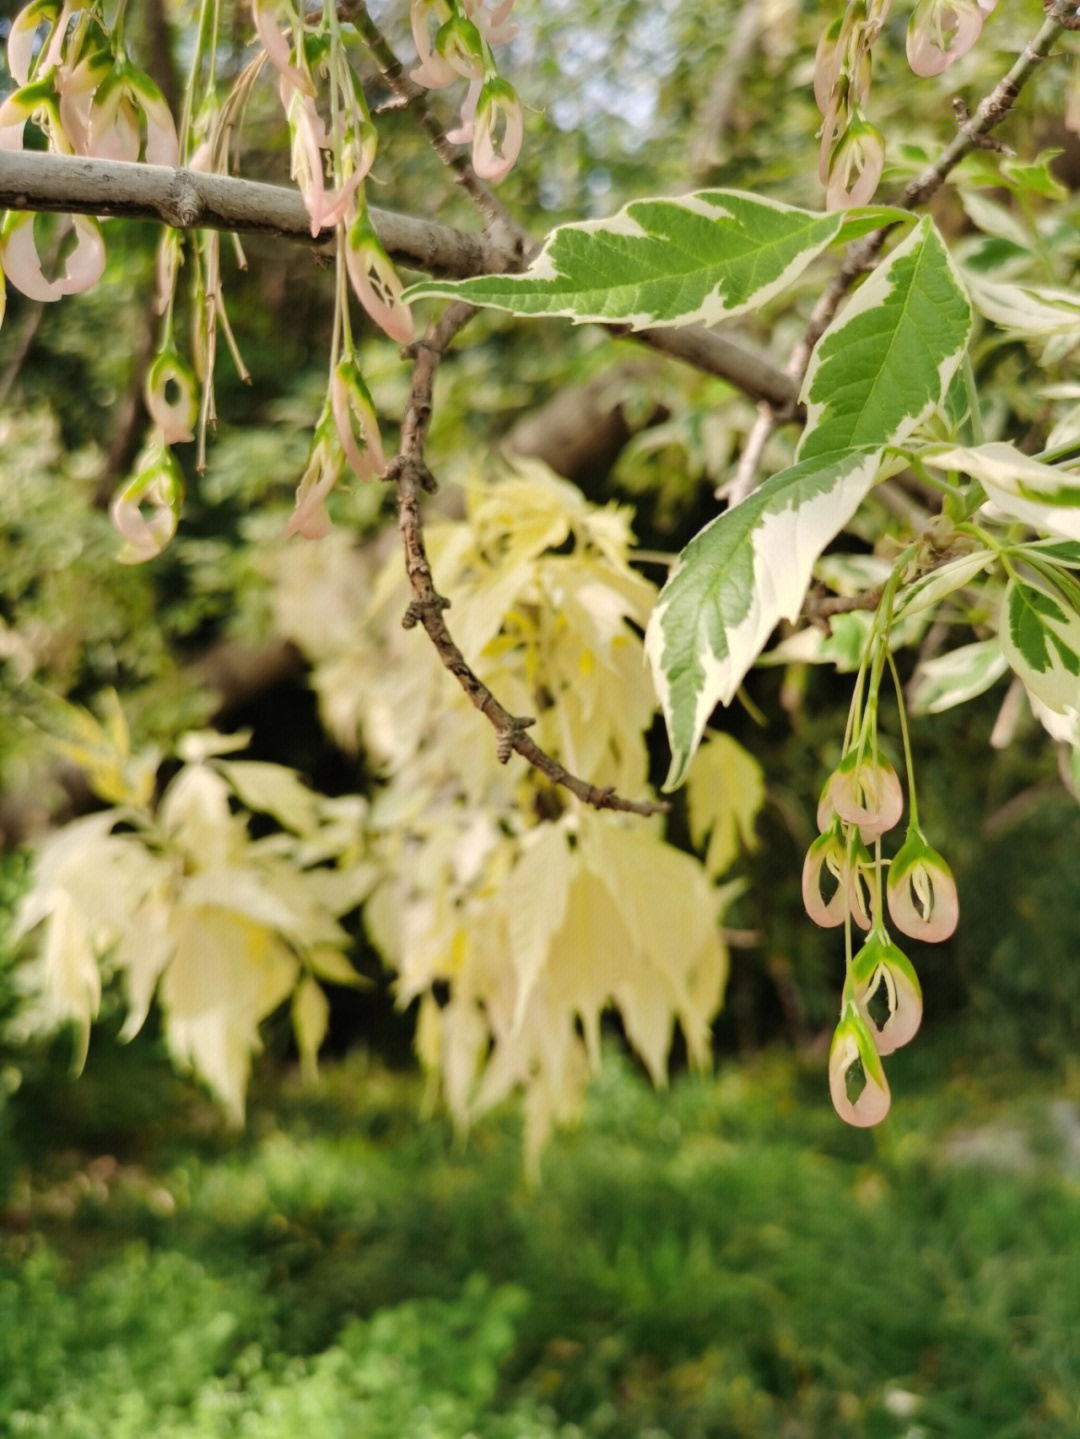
x: 152, y: 1341
x: 476, y: 882
x: 719, y: 1260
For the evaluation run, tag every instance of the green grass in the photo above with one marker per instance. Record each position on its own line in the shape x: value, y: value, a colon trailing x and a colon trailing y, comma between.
x: 726, y: 1259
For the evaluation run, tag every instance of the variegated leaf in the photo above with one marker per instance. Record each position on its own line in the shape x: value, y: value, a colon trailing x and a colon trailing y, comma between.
x: 746, y: 570
x: 930, y: 589
x: 700, y: 258
x: 952, y: 679
x: 1041, y: 495
x: 888, y: 359
x: 878, y: 370
x: 1040, y: 637
x: 1033, y: 311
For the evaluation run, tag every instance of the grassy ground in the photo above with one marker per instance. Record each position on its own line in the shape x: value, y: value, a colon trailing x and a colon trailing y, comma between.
x: 723, y: 1260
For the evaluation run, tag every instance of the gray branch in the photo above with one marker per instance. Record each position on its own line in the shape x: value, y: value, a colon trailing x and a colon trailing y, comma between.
x: 189, y: 200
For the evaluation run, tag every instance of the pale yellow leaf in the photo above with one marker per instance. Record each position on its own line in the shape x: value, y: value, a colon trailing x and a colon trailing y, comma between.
x: 275, y: 790
x: 197, y: 746
x: 145, y: 948
x: 227, y: 974
x: 71, y: 979
x: 195, y: 814
x: 310, y: 1018
x: 535, y: 903
x: 239, y: 890
x: 331, y: 965
x: 725, y: 791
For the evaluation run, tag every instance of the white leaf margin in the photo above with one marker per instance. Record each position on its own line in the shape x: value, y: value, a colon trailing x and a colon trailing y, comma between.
x: 706, y: 204
x: 785, y: 540
x: 948, y: 680
x: 1024, y: 488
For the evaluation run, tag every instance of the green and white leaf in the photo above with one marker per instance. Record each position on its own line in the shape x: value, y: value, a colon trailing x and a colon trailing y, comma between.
x: 1065, y: 553
x: 1064, y: 728
x: 1041, y: 495
x: 878, y: 370
x: 1065, y: 431
x: 698, y: 259
x: 843, y: 646
x: 849, y: 574
x: 952, y: 679
x: 886, y: 362
x: 747, y: 569
x: 995, y: 219
x: 1040, y: 637
x: 930, y: 589
x: 1031, y: 311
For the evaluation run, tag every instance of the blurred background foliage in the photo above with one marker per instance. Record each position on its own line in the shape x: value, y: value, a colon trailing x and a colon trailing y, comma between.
x: 721, y: 1259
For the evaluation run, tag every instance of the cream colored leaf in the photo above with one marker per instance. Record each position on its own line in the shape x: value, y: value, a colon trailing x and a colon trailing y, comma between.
x: 197, y: 746
x: 310, y: 1018
x: 590, y: 954
x: 195, y: 814
x: 274, y: 790
x: 464, y: 1039
x: 241, y: 892
x: 226, y: 975
x: 145, y: 948
x: 535, y: 899
x: 105, y: 876
x: 675, y: 966
x: 331, y: 965
x: 725, y: 792
x: 554, y: 1098
x: 661, y: 894
x: 71, y: 979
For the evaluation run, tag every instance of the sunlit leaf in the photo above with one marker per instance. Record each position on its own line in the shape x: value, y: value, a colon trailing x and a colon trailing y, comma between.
x: 310, y: 1018
x: 700, y: 258
x: 1040, y: 638
x: 878, y: 370
x: 725, y: 789
x: 275, y: 790
x: 954, y: 678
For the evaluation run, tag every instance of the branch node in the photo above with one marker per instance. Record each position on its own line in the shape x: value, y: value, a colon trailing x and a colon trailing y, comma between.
x: 417, y: 609
x: 1067, y: 15
x: 408, y: 467
x: 965, y: 124
x: 508, y: 733
x: 181, y: 205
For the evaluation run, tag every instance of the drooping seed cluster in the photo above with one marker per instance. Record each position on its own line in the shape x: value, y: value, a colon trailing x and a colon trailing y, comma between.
x: 881, y: 1005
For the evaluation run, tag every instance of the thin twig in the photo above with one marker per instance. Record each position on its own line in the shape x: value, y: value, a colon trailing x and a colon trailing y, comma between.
x: 820, y: 609
x: 745, y: 477
x: 411, y: 475
x: 992, y: 109
x: 24, y: 341
x: 497, y: 219
x: 714, y: 115
x: 862, y: 254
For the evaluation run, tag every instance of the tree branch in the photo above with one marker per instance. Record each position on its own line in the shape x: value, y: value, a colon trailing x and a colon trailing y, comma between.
x: 190, y: 200
x: 411, y: 475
